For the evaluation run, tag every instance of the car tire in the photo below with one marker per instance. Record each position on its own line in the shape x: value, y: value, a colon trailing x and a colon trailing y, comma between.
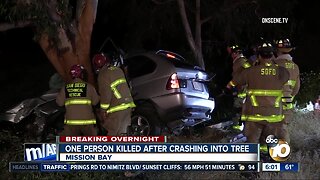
x: 145, y: 121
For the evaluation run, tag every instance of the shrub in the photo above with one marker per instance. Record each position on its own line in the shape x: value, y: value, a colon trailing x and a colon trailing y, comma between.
x: 310, y: 87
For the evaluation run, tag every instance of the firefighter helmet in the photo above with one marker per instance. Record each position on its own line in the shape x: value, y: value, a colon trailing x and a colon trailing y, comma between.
x: 265, y: 49
x: 283, y: 45
x: 76, y: 71
x: 99, y: 60
x: 233, y: 49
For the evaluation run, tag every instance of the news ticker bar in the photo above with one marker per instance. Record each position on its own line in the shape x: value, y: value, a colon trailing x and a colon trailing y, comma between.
x: 76, y: 167
x: 159, y: 157
x: 183, y: 166
x: 280, y: 167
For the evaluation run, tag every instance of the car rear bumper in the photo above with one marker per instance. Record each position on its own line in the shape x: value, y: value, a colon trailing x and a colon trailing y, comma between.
x: 180, y: 105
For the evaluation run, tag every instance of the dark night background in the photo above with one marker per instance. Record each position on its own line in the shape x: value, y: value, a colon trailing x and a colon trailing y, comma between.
x: 142, y: 25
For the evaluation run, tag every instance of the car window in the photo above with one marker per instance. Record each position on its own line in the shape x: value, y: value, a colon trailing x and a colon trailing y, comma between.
x: 176, y: 59
x: 139, y: 66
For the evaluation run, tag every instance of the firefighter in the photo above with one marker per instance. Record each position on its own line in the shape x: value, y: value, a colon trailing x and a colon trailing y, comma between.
x: 263, y: 106
x: 78, y: 97
x: 292, y: 87
x: 240, y: 63
x: 116, y: 102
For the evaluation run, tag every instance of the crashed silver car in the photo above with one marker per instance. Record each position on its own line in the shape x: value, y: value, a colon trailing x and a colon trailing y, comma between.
x: 37, y: 116
x: 169, y: 93
x: 36, y: 105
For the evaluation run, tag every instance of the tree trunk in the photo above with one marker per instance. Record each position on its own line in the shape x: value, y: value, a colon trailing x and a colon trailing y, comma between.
x: 186, y: 25
x: 198, y: 40
x: 79, y: 53
x: 53, y: 57
x: 195, y: 44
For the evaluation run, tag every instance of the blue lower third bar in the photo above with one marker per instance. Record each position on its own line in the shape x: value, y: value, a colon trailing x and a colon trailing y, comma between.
x: 289, y: 167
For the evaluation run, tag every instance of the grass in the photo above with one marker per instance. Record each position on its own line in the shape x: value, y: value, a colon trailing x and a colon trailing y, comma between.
x: 305, y: 144
x: 305, y: 138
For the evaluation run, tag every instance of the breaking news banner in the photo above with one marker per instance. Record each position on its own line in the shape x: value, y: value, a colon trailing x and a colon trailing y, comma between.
x: 111, y: 139
x: 169, y: 152
x: 73, y: 167
x: 281, y: 167
x: 47, y: 152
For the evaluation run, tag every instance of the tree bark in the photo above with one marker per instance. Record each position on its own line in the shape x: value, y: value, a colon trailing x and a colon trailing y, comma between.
x: 8, y: 26
x: 67, y: 54
x: 195, y: 44
x: 80, y: 52
x: 186, y: 25
x: 198, y: 53
x: 52, y: 55
x: 83, y: 38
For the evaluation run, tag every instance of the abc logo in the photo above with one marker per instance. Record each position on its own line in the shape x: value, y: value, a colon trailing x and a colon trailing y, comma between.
x: 279, y: 149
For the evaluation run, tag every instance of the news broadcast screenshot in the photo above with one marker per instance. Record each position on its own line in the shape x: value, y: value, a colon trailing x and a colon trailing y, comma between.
x: 151, y: 153
x: 159, y: 89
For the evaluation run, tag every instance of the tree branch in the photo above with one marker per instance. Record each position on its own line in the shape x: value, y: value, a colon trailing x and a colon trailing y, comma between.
x: 206, y: 19
x: 53, y: 57
x: 79, y: 9
x: 87, y: 16
x: 83, y: 38
x: 198, y: 26
x: 198, y: 40
x: 8, y: 26
x: 65, y: 43
x: 186, y: 25
x: 52, y: 6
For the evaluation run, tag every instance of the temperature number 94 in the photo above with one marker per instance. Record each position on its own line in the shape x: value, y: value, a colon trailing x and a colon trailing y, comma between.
x: 251, y: 167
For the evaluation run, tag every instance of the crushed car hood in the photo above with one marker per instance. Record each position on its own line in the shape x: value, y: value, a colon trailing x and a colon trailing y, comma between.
x: 26, y: 107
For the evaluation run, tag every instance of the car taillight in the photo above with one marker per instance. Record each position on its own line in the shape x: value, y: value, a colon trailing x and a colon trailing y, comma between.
x: 173, y: 82
x: 170, y: 56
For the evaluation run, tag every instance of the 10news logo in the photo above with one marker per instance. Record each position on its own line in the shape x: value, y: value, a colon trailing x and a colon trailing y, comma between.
x: 279, y: 150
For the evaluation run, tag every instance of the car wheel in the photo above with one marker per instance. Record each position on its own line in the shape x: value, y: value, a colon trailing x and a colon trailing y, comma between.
x: 145, y: 121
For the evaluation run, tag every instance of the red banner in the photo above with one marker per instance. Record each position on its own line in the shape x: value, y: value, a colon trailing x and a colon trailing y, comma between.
x: 110, y: 139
